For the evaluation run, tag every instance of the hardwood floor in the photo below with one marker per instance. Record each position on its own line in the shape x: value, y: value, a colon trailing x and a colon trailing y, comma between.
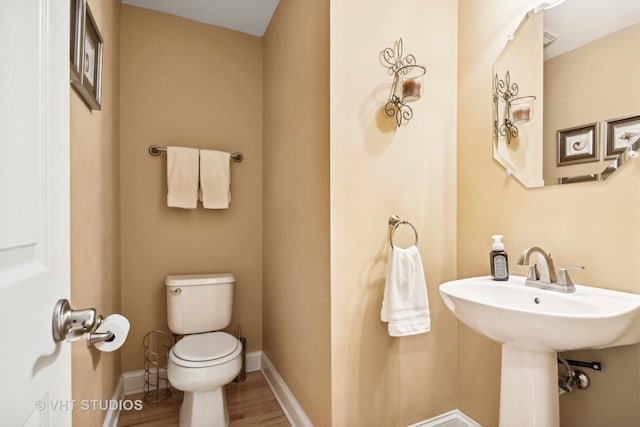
x: 250, y: 403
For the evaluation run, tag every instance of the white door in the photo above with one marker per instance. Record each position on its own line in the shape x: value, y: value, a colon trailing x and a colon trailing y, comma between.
x: 35, y: 373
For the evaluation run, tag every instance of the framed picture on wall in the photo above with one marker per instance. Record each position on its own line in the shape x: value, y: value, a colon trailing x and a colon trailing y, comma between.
x: 75, y: 45
x: 620, y: 134
x: 89, y: 44
x: 578, y: 145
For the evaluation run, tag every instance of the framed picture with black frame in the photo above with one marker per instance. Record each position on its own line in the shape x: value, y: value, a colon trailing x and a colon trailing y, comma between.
x: 86, y: 55
x: 578, y: 145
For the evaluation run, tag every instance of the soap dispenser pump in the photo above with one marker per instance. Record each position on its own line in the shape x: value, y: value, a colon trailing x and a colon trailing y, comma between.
x: 499, y: 259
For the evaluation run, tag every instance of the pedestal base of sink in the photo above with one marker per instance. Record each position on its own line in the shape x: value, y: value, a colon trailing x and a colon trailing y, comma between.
x: 529, y: 388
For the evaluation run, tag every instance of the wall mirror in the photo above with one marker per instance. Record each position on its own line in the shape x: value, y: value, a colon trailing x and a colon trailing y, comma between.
x: 566, y: 99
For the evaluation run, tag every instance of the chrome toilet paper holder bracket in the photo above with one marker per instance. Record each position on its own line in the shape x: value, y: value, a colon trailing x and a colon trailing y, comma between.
x: 96, y: 337
x: 70, y: 325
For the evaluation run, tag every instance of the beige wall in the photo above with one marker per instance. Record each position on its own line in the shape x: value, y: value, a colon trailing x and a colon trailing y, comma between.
x: 579, y: 93
x: 296, y: 202
x: 190, y: 84
x: 95, y: 217
x: 378, y: 170
x: 589, y: 224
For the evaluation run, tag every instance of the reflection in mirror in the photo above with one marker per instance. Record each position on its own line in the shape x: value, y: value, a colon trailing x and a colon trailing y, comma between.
x: 518, y: 71
x: 587, y: 120
x: 515, y: 109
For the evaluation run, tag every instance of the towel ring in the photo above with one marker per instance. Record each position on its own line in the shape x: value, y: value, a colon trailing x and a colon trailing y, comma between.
x: 394, y: 223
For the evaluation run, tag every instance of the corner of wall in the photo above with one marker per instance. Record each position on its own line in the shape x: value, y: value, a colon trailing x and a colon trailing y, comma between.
x: 296, y: 202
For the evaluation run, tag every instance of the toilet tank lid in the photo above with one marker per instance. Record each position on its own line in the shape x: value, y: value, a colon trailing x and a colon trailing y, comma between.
x: 199, y: 279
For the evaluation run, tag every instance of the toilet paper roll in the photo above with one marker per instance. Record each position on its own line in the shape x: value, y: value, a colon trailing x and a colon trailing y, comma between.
x: 119, y: 325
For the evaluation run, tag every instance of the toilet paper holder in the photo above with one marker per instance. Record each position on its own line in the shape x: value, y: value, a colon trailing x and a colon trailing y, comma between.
x: 96, y: 337
x: 70, y: 325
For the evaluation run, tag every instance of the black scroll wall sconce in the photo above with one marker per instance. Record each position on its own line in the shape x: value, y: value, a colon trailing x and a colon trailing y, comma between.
x: 517, y: 110
x: 407, y: 82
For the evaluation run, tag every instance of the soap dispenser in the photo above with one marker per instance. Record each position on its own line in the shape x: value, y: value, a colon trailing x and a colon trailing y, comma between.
x: 499, y: 259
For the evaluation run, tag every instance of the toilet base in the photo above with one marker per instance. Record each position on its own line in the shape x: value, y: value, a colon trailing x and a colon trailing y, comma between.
x: 204, y: 409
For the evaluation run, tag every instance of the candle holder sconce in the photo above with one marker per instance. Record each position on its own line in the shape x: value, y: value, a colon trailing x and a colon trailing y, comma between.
x: 407, y: 82
x: 516, y: 109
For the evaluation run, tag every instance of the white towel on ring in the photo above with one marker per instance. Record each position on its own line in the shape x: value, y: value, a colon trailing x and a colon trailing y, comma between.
x: 182, y: 177
x: 406, y: 304
x: 215, y: 179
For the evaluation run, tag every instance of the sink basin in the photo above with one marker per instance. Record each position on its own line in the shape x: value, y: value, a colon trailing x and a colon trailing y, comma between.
x: 533, y: 324
x: 539, y: 319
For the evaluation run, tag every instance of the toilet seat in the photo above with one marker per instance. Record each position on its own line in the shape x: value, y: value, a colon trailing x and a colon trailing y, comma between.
x: 202, y: 350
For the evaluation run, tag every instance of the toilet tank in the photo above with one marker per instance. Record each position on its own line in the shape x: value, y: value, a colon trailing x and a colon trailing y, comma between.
x: 199, y: 302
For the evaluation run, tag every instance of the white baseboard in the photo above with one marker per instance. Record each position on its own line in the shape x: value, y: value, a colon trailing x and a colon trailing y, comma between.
x: 254, y: 361
x: 288, y: 402
x: 453, y: 418
x: 111, y: 420
x: 134, y: 380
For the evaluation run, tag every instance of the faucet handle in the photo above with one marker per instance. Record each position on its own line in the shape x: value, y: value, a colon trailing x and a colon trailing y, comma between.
x: 563, y: 275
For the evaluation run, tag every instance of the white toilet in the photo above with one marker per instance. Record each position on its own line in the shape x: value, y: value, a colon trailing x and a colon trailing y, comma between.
x: 203, y: 361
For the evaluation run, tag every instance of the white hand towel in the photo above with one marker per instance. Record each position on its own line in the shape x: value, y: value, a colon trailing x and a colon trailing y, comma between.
x: 406, y: 305
x: 215, y: 179
x: 182, y: 177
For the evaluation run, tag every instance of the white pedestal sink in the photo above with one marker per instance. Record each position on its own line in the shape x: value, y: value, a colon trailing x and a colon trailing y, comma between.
x: 533, y: 324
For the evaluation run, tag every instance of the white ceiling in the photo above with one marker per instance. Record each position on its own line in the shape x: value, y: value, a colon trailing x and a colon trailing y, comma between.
x: 247, y: 16
x: 578, y: 22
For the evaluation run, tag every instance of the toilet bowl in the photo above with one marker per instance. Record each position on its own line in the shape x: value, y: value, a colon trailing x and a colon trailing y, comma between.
x: 202, y: 362
x: 200, y: 365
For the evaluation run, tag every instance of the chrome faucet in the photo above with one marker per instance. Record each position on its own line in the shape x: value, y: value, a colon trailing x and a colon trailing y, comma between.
x: 545, y: 277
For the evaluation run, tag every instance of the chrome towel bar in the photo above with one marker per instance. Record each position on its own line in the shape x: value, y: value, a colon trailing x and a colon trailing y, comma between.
x: 394, y: 222
x: 156, y: 150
